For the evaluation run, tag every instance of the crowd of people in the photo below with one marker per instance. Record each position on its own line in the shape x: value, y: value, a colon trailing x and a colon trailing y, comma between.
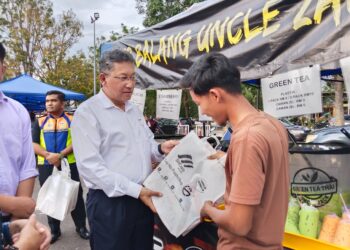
x: 109, y: 144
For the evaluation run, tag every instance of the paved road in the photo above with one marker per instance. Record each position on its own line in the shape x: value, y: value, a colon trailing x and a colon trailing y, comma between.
x: 69, y: 240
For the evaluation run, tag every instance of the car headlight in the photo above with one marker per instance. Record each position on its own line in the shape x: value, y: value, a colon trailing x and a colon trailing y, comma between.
x: 310, y: 138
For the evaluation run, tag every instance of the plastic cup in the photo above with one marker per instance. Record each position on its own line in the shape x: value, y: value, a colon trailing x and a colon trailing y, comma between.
x: 308, y: 221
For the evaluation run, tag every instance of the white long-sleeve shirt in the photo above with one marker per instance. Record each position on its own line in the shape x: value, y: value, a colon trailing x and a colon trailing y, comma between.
x: 114, y: 149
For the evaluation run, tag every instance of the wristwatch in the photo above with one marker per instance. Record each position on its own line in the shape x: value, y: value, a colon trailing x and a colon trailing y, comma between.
x: 160, y: 149
x: 61, y: 156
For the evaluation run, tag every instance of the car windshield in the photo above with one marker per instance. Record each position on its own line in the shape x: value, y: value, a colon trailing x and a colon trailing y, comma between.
x: 164, y: 121
x: 285, y: 122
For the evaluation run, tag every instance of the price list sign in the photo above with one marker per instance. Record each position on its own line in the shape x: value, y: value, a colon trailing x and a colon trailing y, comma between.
x: 296, y: 92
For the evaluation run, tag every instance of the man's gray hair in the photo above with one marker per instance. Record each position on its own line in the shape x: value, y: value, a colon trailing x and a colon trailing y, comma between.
x: 114, y: 56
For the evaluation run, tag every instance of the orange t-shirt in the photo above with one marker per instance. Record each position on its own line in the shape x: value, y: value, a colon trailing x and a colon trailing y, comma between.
x: 257, y: 174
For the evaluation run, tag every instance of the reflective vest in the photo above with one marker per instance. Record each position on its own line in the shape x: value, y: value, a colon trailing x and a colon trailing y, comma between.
x: 55, y: 135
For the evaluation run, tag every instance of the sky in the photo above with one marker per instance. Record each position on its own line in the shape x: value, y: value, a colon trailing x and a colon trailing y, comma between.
x: 112, y: 14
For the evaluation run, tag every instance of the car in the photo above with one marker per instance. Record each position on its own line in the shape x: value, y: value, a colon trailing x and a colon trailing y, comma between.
x: 187, y: 121
x: 217, y: 131
x: 166, y: 126
x: 346, y: 119
x: 338, y: 135
x: 299, y: 132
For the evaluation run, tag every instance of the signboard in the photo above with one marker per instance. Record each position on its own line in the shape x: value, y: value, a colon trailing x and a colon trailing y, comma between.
x: 296, y: 92
x: 169, y: 103
x: 345, y: 68
x: 139, y: 98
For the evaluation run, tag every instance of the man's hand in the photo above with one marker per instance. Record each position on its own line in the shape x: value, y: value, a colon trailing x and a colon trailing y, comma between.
x: 33, y: 236
x: 167, y: 146
x: 54, y: 159
x: 21, y: 206
x: 204, y: 211
x: 217, y: 155
x: 146, y: 197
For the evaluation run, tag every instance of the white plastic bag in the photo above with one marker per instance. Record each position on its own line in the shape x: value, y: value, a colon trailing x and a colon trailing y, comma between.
x: 187, y: 179
x: 58, y: 196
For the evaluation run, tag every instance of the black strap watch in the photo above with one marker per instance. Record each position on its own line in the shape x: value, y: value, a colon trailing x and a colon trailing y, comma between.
x: 160, y: 149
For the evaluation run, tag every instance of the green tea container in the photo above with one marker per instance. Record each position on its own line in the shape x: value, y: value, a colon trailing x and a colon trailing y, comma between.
x: 308, y: 220
x: 292, y: 220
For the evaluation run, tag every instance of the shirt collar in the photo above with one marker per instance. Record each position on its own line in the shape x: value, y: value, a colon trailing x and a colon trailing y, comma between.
x: 107, y: 103
x: 3, y: 97
x: 51, y: 116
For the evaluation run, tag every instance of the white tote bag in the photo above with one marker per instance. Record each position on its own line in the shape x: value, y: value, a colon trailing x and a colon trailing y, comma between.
x: 58, y: 196
x: 187, y: 179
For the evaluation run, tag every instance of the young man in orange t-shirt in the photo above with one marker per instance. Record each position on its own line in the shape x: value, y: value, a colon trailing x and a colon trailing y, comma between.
x: 257, y: 174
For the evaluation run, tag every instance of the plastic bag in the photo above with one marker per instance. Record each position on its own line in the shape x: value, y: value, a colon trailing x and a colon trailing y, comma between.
x: 58, y: 196
x: 187, y: 179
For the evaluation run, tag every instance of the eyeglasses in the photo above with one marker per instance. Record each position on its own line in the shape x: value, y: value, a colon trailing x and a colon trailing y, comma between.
x: 125, y: 78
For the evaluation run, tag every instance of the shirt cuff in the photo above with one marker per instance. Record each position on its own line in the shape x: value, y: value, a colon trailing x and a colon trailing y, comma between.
x: 157, y: 155
x: 134, y: 190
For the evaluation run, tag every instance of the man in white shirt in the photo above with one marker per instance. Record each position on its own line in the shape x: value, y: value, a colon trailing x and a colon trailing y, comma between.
x: 114, y: 150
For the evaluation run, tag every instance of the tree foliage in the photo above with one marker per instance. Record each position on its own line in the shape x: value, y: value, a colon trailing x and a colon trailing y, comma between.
x: 74, y: 73
x: 113, y: 36
x: 36, y: 42
x: 156, y: 11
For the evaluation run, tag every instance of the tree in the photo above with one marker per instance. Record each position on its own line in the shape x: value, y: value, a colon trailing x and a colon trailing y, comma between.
x: 37, y: 42
x: 113, y: 36
x: 253, y: 95
x: 74, y: 73
x: 156, y: 11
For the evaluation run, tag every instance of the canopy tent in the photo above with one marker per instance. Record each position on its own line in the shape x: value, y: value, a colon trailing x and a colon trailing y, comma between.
x: 261, y: 37
x: 31, y: 93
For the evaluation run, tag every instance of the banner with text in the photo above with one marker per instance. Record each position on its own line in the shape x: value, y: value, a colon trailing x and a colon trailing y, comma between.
x: 345, y: 68
x: 169, y: 103
x: 296, y: 92
x: 260, y: 37
x: 139, y: 98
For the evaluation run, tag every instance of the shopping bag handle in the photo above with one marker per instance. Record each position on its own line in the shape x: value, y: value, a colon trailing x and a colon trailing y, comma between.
x: 65, y: 169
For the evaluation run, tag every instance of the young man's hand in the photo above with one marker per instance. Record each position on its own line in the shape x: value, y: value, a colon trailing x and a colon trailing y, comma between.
x: 217, y: 155
x: 204, y: 210
x: 32, y: 235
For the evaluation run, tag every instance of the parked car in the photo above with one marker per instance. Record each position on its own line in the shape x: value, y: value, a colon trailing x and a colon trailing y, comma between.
x: 330, y: 135
x: 166, y: 126
x: 186, y: 121
x: 217, y: 131
x: 299, y: 132
x: 346, y: 119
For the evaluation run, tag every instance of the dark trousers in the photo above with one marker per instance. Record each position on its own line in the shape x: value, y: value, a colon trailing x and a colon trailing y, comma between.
x: 79, y: 213
x: 119, y: 223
